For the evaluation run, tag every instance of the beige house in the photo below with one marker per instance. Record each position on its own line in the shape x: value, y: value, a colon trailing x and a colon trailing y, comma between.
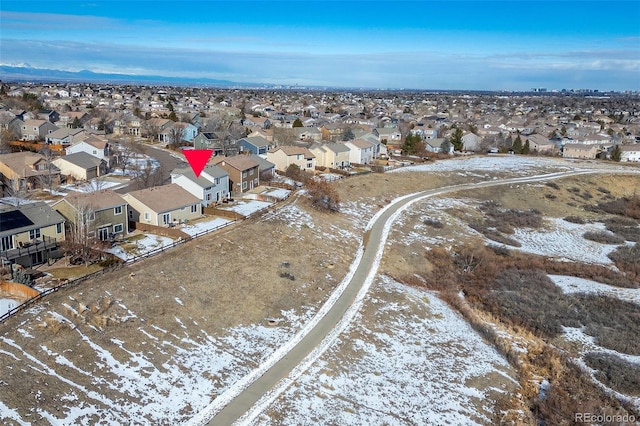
x: 166, y: 205
x: 102, y: 214
x: 333, y: 155
x: 286, y: 155
x: 81, y: 166
x: 27, y: 170
x: 578, y: 150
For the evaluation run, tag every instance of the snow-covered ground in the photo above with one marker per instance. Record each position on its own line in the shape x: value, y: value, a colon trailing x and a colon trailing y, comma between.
x: 415, y: 362
x: 147, y: 244
x: 565, y: 240
x: 518, y: 165
x: 205, y: 226
x: 93, y: 185
x: 198, y: 367
x: 247, y: 207
x: 584, y: 286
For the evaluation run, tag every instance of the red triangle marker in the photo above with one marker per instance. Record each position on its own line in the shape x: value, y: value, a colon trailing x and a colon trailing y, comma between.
x: 197, y: 159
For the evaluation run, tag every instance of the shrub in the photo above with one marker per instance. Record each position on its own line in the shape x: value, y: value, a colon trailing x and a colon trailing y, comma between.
x: 627, y: 259
x: 603, y: 190
x: 574, y: 190
x: 603, y: 237
x: 323, y: 196
x: 615, y: 372
x: 550, y: 196
x: 624, y: 227
x: 575, y: 219
x: 434, y: 223
x: 628, y: 207
x: 495, y: 235
x: 552, y: 185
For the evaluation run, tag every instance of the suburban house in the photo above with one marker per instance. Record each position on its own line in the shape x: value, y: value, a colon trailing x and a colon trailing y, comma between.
x: 266, y: 168
x: 388, y: 134
x: 208, y: 140
x: 308, y: 134
x: 333, y: 155
x: 27, y: 170
x: 75, y: 119
x: 93, y: 146
x: 29, y: 233
x: 188, y: 131
x: 81, y: 166
x: 578, y: 150
x: 100, y: 214
x: 66, y: 136
x: 435, y: 145
x: 630, y: 153
x: 286, y: 155
x: 540, y: 143
x: 49, y: 115
x: 244, y: 172
x: 255, y: 144
x: 166, y: 205
x: 361, y: 151
x: 127, y: 124
x: 36, y: 130
x: 210, y: 187
x: 157, y: 128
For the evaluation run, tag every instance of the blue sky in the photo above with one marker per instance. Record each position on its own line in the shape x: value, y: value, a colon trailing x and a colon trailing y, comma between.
x: 474, y: 45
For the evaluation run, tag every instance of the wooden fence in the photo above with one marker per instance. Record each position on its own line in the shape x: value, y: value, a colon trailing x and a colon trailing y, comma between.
x: 159, y: 230
x: 228, y: 214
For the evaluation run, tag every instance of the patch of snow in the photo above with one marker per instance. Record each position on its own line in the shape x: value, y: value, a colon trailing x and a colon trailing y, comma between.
x: 565, y: 240
x: 145, y: 245
x: 513, y: 164
x: 246, y: 208
x: 580, y: 285
x: 205, y: 226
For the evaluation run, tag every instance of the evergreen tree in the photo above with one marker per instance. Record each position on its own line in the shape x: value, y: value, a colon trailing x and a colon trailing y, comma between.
x: 517, y: 145
x: 456, y: 139
x: 297, y: 123
x: 616, y: 154
x: 526, y: 149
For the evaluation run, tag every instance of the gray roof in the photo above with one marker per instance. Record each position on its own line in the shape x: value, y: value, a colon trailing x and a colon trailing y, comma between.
x: 257, y: 141
x: 213, y: 171
x: 262, y: 163
x: 337, y: 147
x: 15, y: 220
x: 81, y: 159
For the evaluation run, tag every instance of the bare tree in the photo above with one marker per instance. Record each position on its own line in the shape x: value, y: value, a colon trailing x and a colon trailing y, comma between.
x: 46, y: 179
x: 126, y: 151
x: 176, y: 136
x: 148, y: 176
x: 80, y: 231
x: 284, y: 136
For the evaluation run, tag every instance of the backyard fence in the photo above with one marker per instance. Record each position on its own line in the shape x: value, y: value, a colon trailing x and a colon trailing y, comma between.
x: 181, y: 239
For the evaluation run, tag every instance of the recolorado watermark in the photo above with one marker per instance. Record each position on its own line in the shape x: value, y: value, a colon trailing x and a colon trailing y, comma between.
x: 603, y: 418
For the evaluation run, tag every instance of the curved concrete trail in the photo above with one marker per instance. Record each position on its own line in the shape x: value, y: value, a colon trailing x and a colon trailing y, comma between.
x: 243, y: 403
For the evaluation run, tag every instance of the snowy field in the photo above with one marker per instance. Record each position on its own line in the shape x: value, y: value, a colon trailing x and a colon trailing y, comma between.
x: 409, y: 359
x: 197, y: 367
x: 515, y: 165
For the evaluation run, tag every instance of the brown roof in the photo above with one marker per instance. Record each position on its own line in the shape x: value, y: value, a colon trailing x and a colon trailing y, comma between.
x: 295, y: 150
x: 164, y: 198
x: 98, y: 200
x: 239, y: 162
x: 21, y: 163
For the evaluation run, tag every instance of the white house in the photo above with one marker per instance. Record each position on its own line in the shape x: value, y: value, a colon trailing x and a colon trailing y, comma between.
x: 630, y: 153
x: 211, y: 186
x: 361, y: 151
x: 286, y: 155
x: 94, y: 146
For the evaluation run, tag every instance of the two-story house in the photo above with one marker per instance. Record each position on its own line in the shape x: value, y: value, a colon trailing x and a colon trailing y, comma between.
x: 36, y: 130
x: 210, y: 187
x: 94, y: 146
x: 244, y: 172
x: 286, y: 155
x: 332, y: 155
x: 361, y: 151
x: 100, y: 214
x: 208, y: 140
x: 30, y: 233
x: 80, y: 166
x: 27, y: 170
x: 254, y: 144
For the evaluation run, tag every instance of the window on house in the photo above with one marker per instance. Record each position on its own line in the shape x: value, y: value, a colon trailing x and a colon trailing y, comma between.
x: 217, y: 181
x: 34, y: 233
x: 244, y: 174
x: 59, y: 228
x: 117, y: 210
x: 251, y: 172
x: 166, y: 218
x: 208, y: 197
x: 194, y: 208
x: 244, y: 185
x: 117, y: 228
x: 147, y: 216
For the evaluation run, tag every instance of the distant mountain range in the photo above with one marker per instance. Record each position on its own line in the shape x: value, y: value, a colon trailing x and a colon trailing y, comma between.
x: 27, y: 73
